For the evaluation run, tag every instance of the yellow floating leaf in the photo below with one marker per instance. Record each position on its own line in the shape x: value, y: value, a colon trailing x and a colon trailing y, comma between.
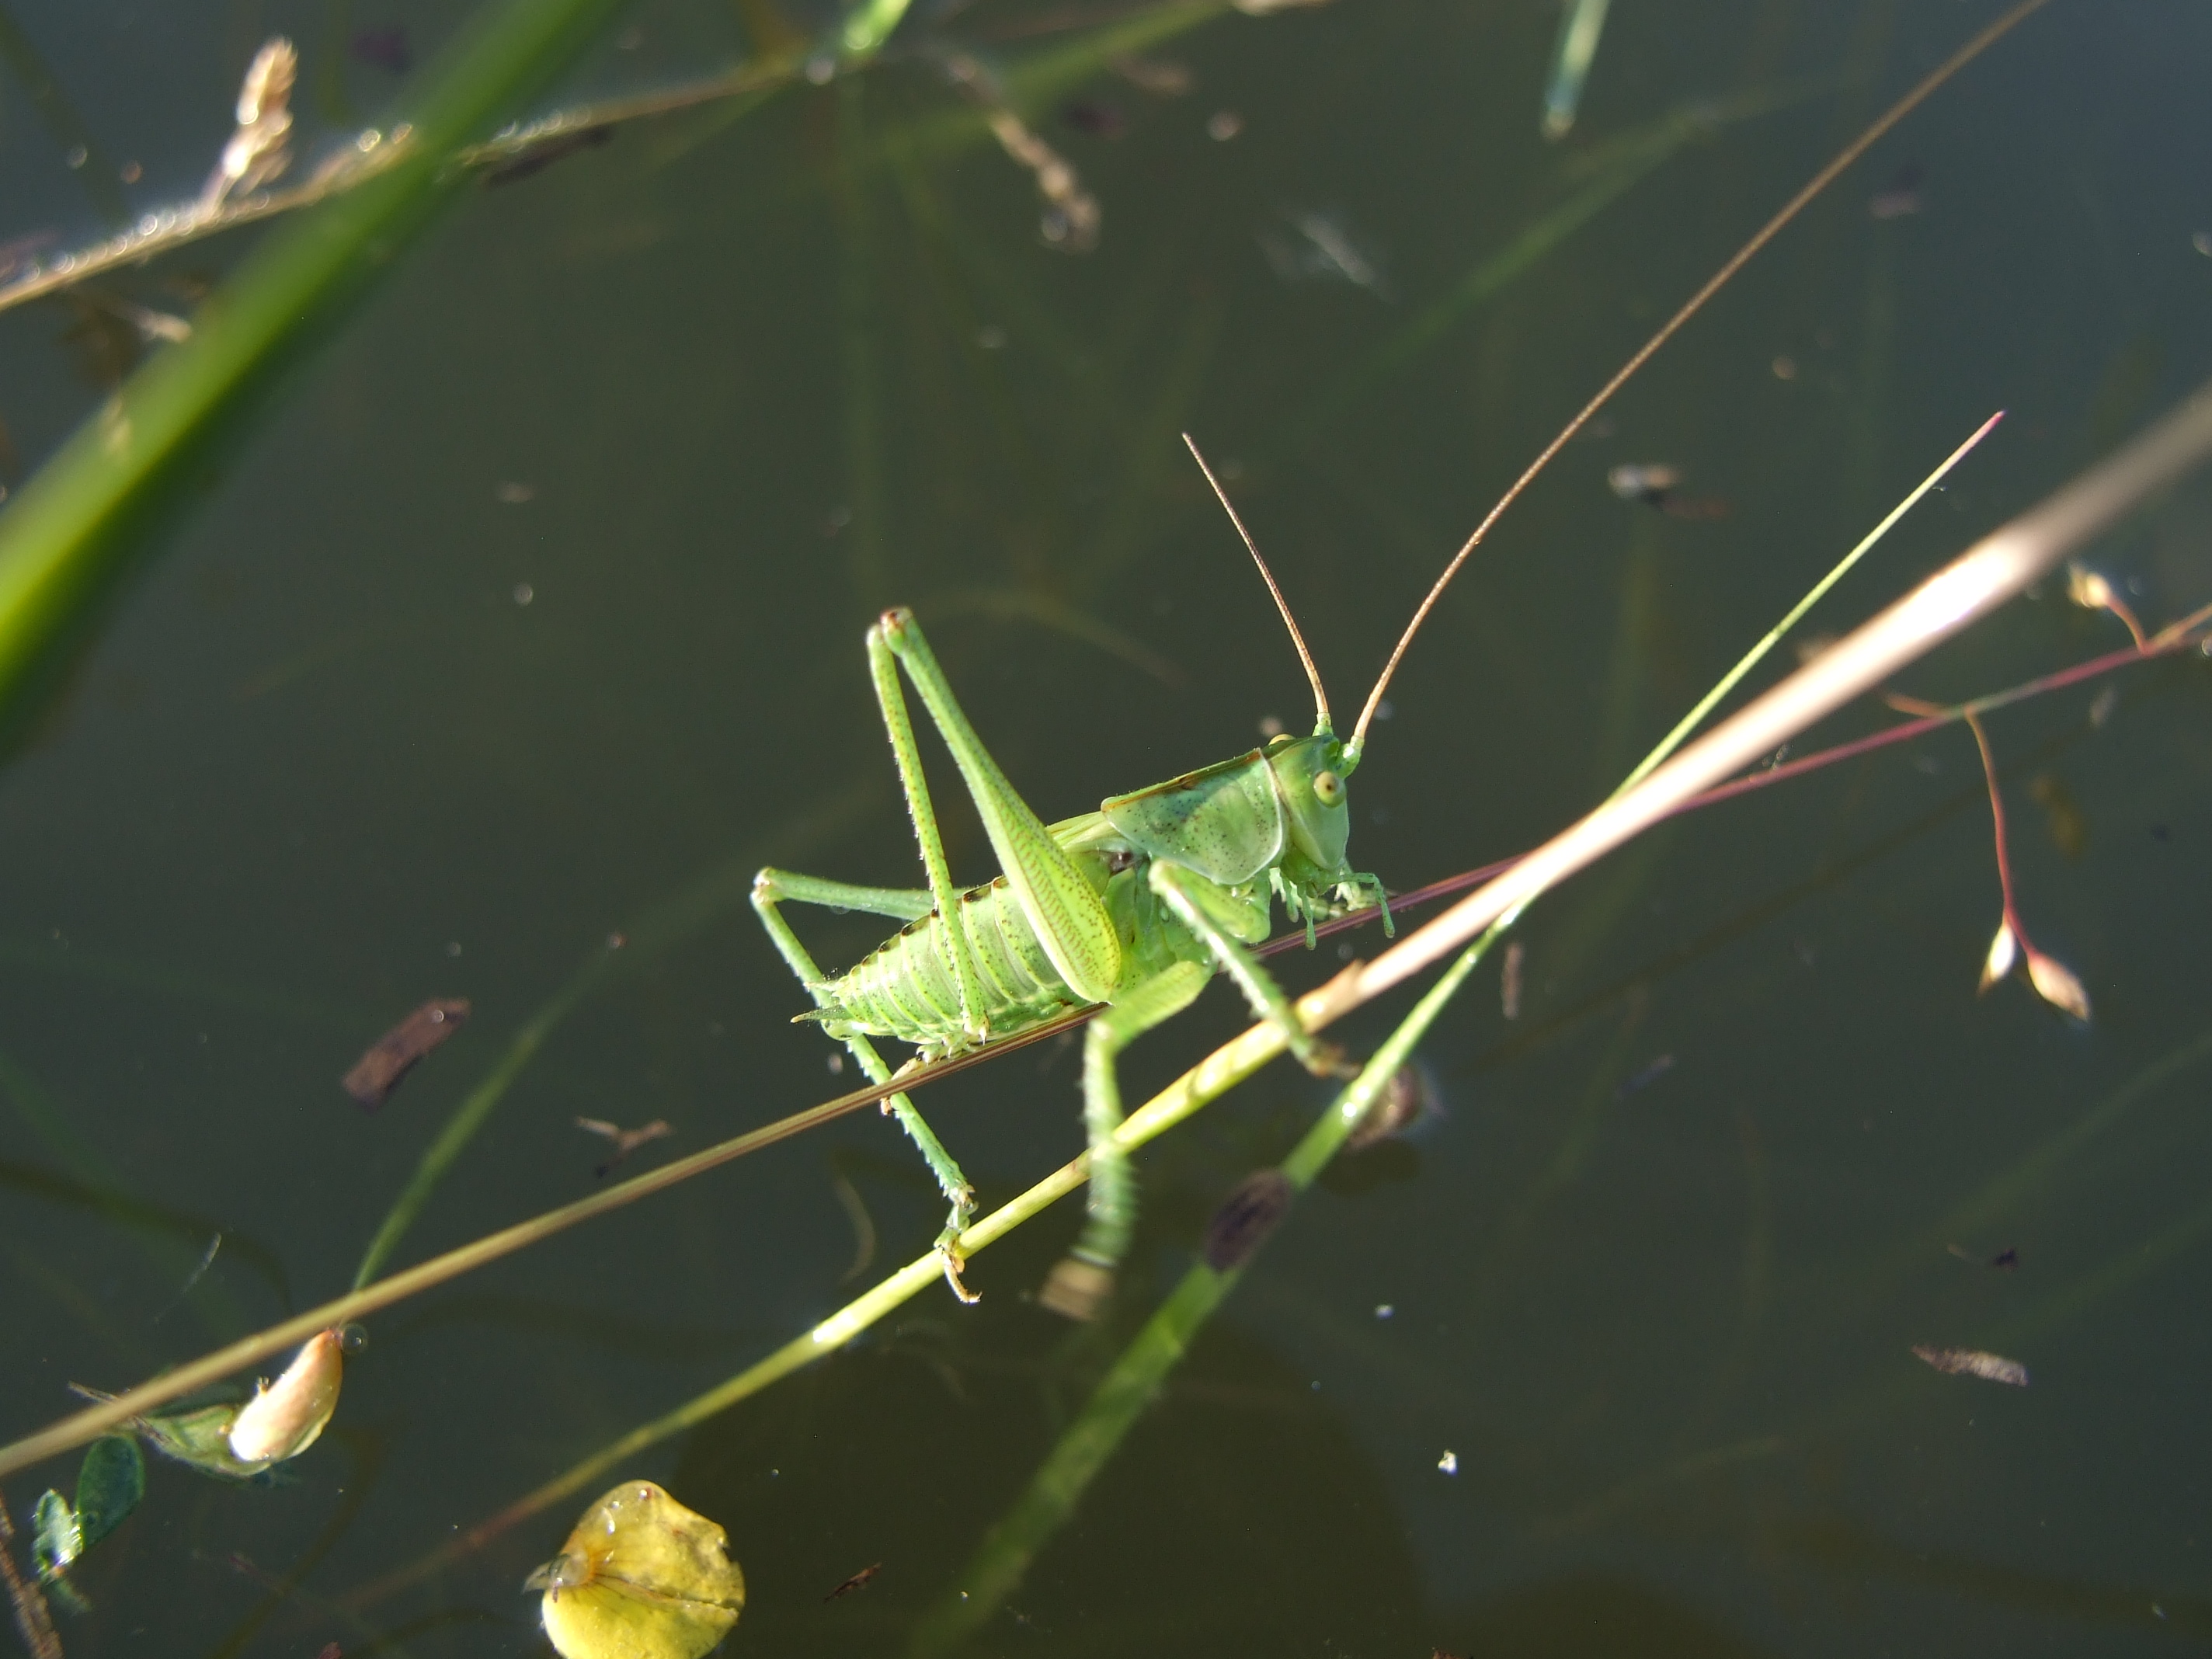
x: 641, y: 1577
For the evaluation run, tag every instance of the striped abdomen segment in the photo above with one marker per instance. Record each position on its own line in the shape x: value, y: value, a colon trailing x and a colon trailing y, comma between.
x: 904, y: 989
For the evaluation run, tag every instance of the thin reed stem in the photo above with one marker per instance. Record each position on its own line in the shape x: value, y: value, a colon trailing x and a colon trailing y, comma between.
x: 1991, y: 571
x: 1690, y: 307
x: 1133, y: 1382
x: 1988, y: 573
x: 1997, y: 826
x: 1751, y: 659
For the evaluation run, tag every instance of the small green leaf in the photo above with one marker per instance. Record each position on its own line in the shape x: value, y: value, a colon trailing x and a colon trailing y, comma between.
x: 109, y: 1484
x: 199, y: 1436
x: 55, y: 1538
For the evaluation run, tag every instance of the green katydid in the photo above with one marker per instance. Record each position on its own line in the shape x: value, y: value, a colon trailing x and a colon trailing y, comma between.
x: 1133, y: 906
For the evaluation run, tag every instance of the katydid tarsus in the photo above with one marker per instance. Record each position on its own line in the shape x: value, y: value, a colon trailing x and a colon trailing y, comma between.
x: 1135, y: 906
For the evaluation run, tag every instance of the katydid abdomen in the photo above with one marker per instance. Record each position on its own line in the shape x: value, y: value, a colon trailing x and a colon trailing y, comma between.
x: 905, y: 988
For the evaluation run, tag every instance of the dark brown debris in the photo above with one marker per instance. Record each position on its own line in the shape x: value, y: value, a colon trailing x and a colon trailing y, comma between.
x: 858, y: 1581
x: 559, y: 147
x: 1245, y: 1218
x: 626, y: 1141
x: 392, y: 1055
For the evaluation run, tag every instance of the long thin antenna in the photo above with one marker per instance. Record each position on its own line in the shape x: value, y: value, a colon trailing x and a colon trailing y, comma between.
x: 1313, y: 674
x: 1765, y: 234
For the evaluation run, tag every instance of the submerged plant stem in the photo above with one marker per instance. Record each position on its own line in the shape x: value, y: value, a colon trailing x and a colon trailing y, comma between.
x: 720, y: 890
x: 1135, y: 1379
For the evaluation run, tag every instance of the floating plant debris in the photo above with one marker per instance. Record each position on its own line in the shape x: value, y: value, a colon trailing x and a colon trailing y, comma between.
x: 109, y: 1484
x: 858, y: 1581
x: 1326, y: 250
x: 236, y: 1441
x: 384, y: 48
x: 1096, y: 116
x: 1973, y: 1361
x: 199, y: 1436
x: 1245, y: 1218
x: 2057, y: 984
x: 1644, y: 1078
x: 544, y: 153
x: 1407, y: 1099
x: 641, y: 1577
x: 258, y: 150
x: 1072, y: 215
x: 198, y: 1272
x: 1509, y: 981
x: 33, y: 1622
x: 392, y: 1055
x: 1647, y: 481
x: 1654, y: 484
x: 1163, y: 78
x: 284, y: 1418
x: 626, y: 1141
x: 1900, y: 196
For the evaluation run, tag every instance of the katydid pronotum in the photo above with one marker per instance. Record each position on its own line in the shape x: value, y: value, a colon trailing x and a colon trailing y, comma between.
x: 1133, y: 906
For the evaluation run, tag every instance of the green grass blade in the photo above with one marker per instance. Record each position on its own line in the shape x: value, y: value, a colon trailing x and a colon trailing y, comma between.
x: 1751, y: 659
x: 1135, y: 1379
x: 68, y: 539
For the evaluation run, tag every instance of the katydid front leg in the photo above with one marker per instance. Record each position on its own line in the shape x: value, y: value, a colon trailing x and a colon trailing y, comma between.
x: 1198, y: 904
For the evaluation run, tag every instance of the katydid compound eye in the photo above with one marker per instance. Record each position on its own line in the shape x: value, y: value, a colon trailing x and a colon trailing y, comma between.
x: 1328, y: 789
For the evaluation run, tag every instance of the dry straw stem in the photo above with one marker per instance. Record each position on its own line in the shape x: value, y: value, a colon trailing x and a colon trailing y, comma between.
x: 1993, y: 570
x: 110, y: 1414
x: 1690, y: 307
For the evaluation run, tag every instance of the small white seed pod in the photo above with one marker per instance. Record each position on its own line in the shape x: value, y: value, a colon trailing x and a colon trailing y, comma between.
x: 284, y: 1418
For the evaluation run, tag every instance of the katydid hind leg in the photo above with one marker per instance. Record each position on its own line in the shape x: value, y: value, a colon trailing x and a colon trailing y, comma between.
x: 1083, y: 1279
x: 770, y: 888
x: 951, y: 943
x: 1069, y: 917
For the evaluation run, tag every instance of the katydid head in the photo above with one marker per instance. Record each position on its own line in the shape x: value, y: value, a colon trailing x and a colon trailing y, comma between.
x: 1310, y: 774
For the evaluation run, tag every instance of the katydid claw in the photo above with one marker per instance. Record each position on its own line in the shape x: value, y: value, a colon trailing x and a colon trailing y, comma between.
x: 950, y: 1259
x: 1324, y: 1059
x: 1321, y: 1059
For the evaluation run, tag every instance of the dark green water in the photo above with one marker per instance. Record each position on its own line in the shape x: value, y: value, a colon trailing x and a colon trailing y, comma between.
x: 713, y: 395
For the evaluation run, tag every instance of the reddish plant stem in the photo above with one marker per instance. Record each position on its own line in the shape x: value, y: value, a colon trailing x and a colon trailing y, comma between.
x: 2170, y: 641
x: 1997, y: 823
